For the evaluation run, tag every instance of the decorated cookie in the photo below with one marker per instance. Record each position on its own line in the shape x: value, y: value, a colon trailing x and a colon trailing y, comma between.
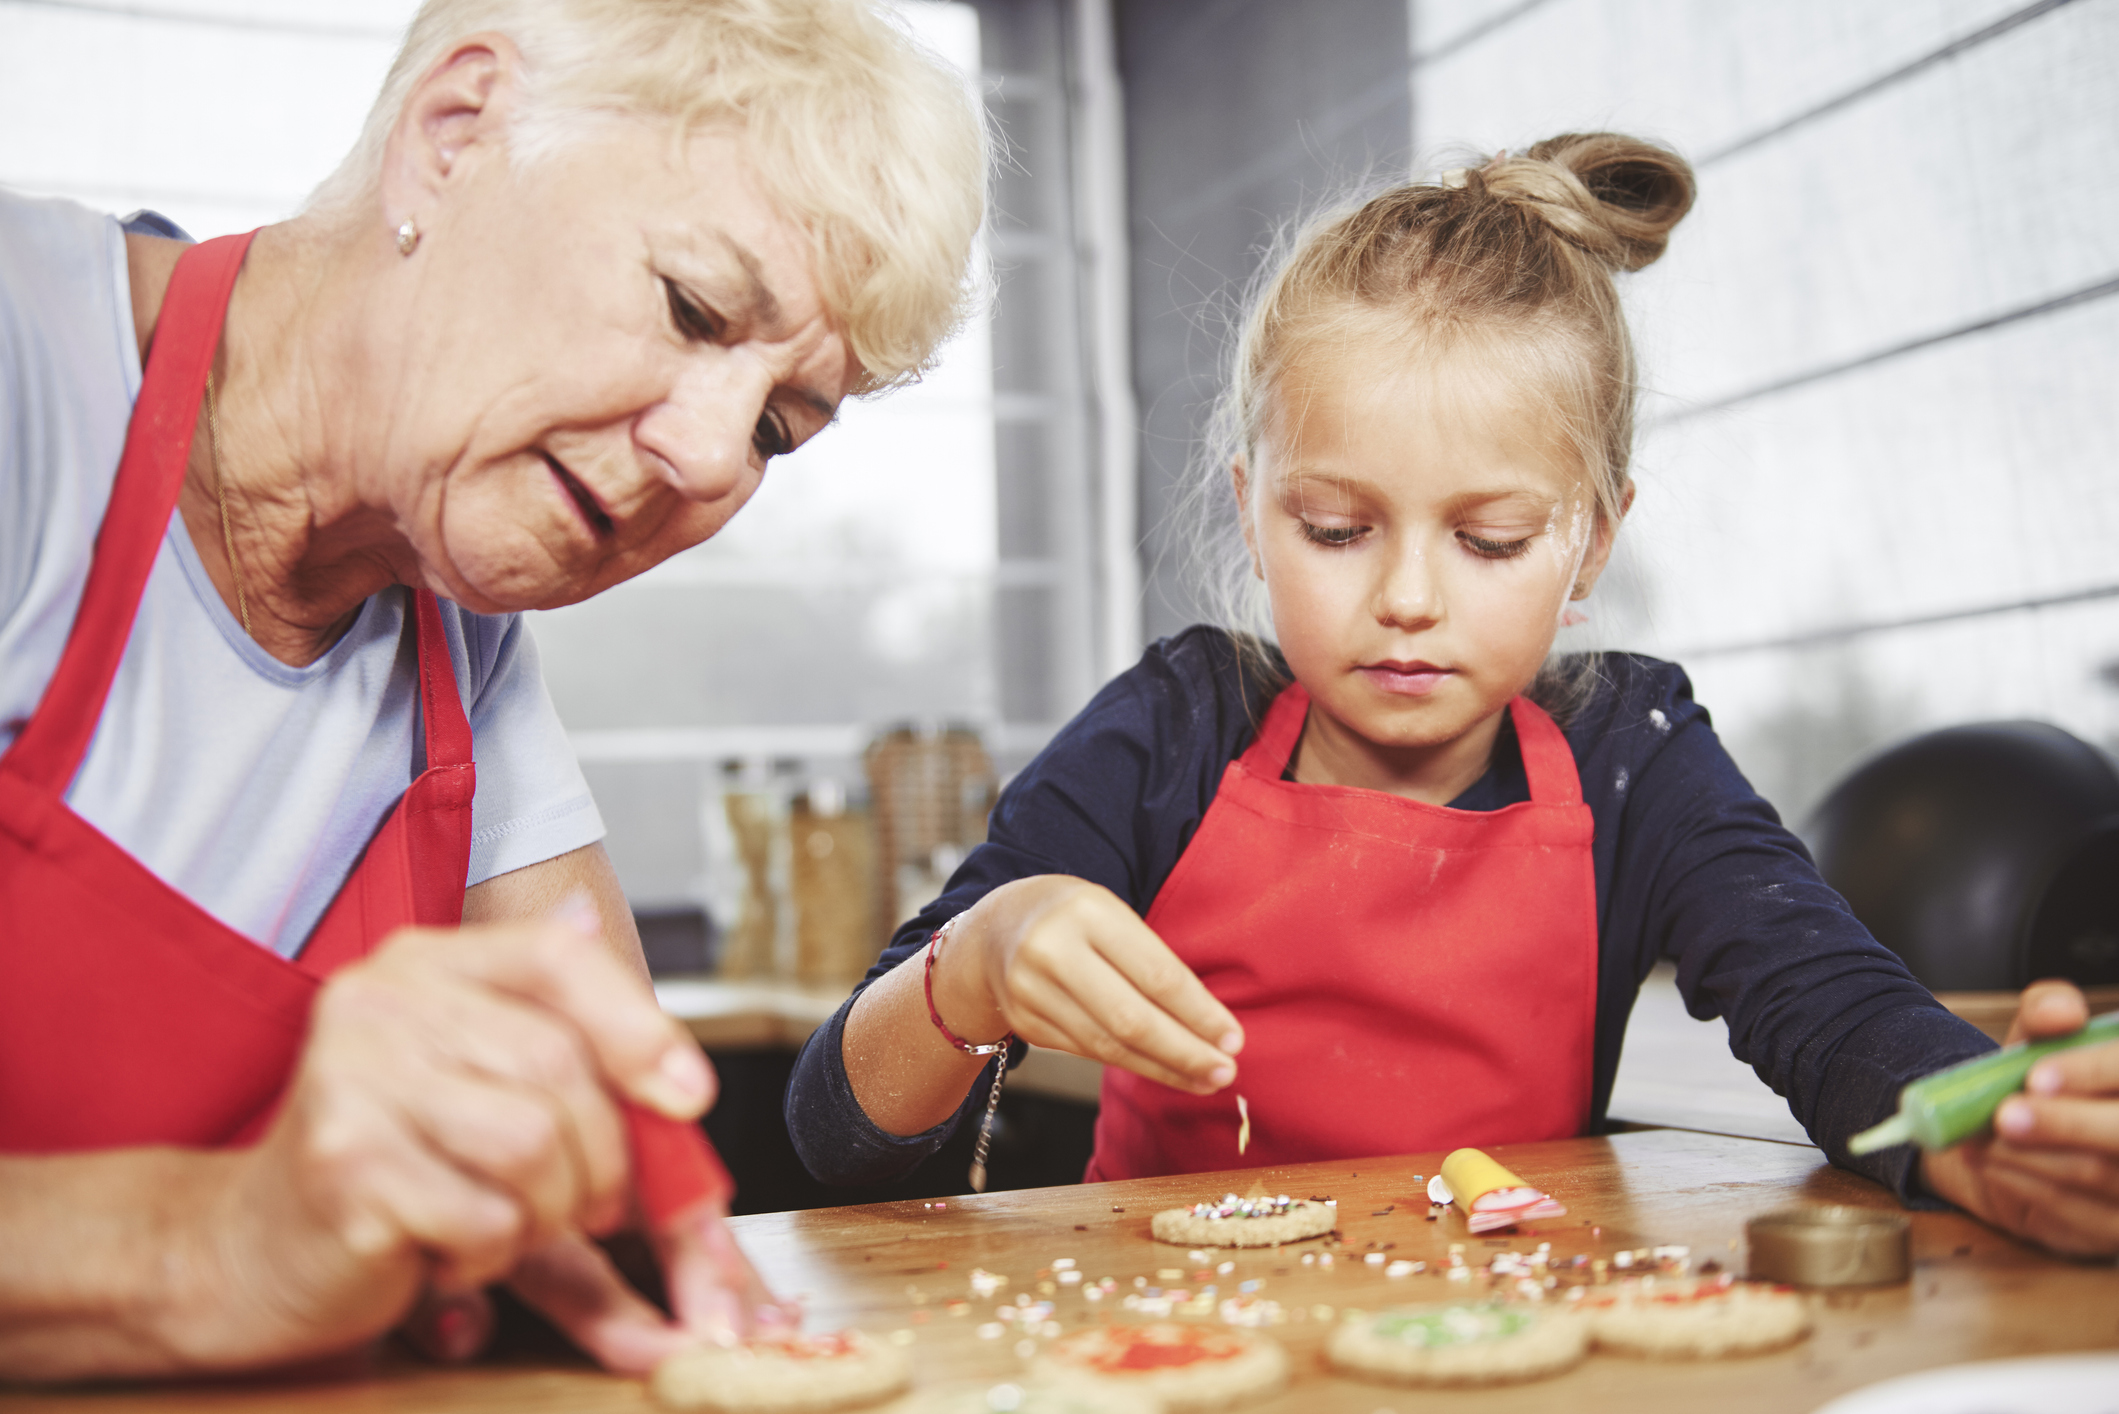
x: 1688, y: 1319
x: 1245, y: 1222
x: 1184, y: 1367
x: 1459, y: 1345
x: 812, y: 1373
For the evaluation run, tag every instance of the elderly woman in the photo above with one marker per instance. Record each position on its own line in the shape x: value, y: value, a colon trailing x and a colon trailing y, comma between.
x: 593, y: 264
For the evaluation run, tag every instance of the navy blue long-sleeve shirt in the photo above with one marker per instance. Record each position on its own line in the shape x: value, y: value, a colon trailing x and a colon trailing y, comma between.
x: 1690, y: 865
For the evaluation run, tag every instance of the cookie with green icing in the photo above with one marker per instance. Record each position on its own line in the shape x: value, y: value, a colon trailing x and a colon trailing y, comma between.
x: 1459, y: 1345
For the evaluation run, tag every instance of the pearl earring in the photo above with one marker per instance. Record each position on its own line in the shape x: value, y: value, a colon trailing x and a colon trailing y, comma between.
x: 408, y: 237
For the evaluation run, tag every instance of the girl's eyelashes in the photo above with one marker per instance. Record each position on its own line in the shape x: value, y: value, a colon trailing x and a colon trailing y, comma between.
x: 1494, y: 549
x: 689, y: 319
x: 1333, y: 535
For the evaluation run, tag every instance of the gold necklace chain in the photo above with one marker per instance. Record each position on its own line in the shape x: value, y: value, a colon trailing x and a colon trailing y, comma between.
x: 220, y: 495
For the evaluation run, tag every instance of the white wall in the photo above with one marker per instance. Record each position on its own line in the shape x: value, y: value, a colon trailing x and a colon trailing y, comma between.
x: 1879, y: 471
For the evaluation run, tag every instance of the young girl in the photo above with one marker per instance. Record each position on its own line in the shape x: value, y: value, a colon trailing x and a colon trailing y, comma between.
x: 1407, y: 870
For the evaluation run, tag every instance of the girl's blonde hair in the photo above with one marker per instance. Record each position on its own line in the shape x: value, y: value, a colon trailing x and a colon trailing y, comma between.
x: 1511, y: 260
x: 873, y: 145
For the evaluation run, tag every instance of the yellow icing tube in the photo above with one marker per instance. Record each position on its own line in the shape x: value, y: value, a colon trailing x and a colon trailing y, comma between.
x: 1489, y: 1194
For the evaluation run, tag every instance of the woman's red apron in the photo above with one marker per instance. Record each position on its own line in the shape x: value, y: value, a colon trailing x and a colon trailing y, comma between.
x: 128, y: 1014
x: 1409, y: 977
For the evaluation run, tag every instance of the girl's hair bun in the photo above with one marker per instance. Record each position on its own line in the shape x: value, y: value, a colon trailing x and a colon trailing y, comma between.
x: 1614, y: 196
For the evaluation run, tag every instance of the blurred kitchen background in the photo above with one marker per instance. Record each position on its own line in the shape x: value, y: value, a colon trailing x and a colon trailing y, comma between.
x: 1878, y: 468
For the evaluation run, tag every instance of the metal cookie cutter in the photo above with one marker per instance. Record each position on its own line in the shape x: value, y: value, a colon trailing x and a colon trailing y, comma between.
x: 1830, y: 1246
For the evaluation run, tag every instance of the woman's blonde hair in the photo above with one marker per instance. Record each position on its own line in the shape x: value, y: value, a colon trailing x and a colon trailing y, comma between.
x: 1511, y: 260
x: 871, y: 143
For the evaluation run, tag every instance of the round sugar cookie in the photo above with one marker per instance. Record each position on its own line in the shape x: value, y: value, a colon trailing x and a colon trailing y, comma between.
x: 1078, y: 1396
x: 1185, y: 1368
x: 1684, y: 1319
x: 808, y: 1373
x: 1459, y: 1345
x: 1245, y: 1222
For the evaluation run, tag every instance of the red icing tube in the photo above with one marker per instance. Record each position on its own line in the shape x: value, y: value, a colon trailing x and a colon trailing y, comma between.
x: 674, y: 1166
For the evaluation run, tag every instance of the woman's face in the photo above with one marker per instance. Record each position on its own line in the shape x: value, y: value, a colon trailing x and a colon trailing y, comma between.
x: 1419, y: 535
x: 601, y: 351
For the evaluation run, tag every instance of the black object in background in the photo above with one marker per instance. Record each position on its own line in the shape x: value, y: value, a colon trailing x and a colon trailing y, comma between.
x: 679, y: 942
x: 1986, y: 856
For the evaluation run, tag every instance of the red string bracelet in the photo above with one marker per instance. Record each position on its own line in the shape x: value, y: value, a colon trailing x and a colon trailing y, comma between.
x: 1000, y: 1067
x: 934, y: 945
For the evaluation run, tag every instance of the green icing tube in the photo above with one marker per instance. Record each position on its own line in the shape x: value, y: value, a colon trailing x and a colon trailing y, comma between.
x: 1953, y: 1105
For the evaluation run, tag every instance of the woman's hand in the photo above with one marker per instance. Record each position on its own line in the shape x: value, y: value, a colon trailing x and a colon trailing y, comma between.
x: 455, y: 1113
x: 1064, y: 964
x: 2050, y: 1171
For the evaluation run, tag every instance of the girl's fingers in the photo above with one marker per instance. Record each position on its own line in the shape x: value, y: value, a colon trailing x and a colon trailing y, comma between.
x: 2059, y: 1121
x: 2086, y: 1070
x: 1120, y: 1033
x: 562, y: 968
x: 2094, y: 1175
x: 1157, y: 973
x: 2052, y: 1007
x: 2055, y: 1215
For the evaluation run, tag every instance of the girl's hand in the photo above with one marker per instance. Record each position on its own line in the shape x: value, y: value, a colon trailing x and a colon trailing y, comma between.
x: 454, y: 1114
x: 1063, y: 963
x: 2050, y: 1171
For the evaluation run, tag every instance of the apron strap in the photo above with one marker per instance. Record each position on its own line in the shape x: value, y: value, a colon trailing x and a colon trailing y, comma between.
x: 144, y: 493
x: 448, y: 731
x: 1548, y: 761
x: 1282, y: 729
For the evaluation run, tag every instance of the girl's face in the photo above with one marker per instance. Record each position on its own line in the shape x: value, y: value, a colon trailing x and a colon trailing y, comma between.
x: 1420, y: 527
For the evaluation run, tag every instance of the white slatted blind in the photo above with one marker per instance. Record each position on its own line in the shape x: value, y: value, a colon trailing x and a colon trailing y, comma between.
x: 1879, y: 467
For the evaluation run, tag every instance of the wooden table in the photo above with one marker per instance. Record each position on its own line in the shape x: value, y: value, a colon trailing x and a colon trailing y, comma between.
x: 895, y: 1267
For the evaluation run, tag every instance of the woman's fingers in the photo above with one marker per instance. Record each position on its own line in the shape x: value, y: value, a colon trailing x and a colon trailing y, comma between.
x: 455, y: 1105
x: 713, y: 1288
x: 450, y: 1327
x: 560, y: 967
x: 543, y: 1060
x: 512, y: 1140
x: 575, y: 1285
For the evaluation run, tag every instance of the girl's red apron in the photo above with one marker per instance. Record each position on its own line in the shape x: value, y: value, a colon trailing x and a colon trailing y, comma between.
x: 1409, y: 977
x: 128, y: 1014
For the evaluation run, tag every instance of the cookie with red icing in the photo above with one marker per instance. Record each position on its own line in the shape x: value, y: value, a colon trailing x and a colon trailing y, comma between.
x: 1682, y: 1318
x: 1185, y: 1367
x: 797, y: 1376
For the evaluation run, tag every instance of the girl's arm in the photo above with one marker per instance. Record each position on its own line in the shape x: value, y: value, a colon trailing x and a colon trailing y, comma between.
x: 1077, y: 849
x: 1829, y: 1017
x: 1707, y: 874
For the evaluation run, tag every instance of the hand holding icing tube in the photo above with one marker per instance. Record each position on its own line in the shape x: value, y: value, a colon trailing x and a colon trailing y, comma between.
x: 684, y: 1192
x: 1957, y: 1104
x: 1489, y: 1194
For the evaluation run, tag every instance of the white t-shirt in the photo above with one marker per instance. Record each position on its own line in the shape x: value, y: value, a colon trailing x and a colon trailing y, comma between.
x: 248, y: 786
